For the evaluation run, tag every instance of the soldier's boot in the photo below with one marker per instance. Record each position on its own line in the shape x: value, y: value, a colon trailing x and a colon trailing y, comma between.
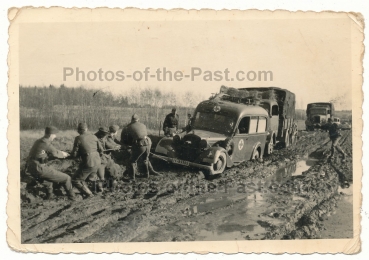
x: 87, y: 191
x: 100, y: 186
x: 71, y: 195
x: 97, y: 186
x: 69, y: 189
x: 152, y: 171
x: 342, y: 152
x: 134, y: 170
x: 50, y: 193
x: 147, y: 171
x: 332, y: 153
x: 82, y: 187
x: 114, y: 185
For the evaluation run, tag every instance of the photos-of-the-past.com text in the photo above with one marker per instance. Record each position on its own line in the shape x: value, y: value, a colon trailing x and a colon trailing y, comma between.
x: 164, y: 74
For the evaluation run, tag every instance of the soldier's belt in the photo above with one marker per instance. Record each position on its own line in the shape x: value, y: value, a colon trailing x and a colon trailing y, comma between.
x: 87, y: 154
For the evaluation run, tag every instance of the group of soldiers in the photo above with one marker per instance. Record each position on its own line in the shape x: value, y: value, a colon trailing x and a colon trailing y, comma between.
x: 95, y: 152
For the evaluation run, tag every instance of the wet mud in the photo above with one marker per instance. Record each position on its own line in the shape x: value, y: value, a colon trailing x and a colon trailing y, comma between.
x: 294, y: 193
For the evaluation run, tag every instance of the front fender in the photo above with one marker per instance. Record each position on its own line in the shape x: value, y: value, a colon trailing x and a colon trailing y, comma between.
x: 211, y: 155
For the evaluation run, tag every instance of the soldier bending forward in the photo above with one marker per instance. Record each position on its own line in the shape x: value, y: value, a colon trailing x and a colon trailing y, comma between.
x: 36, y: 163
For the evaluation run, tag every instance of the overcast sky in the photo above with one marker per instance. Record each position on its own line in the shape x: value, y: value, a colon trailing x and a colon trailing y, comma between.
x: 310, y: 57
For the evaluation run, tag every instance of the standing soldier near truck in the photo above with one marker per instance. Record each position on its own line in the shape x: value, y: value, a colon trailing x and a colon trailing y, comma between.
x: 335, y: 136
x: 188, y: 127
x: 37, y: 167
x: 89, y: 149
x: 170, y: 125
x: 135, y: 135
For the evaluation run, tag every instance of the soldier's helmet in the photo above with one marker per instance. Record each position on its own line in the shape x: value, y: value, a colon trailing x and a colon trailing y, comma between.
x: 113, y: 128
x: 49, y: 130
x: 135, y: 117
x: 82, y: 127
x: 103, y: 130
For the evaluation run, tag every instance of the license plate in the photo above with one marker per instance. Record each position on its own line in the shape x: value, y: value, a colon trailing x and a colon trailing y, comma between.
x: 181, y: 162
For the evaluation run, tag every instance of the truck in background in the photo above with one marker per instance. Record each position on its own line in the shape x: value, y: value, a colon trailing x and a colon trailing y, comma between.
x: 280, y: 105
x: 317, y: 114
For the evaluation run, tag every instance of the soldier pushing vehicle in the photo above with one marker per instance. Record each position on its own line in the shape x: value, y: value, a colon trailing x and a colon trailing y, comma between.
x: 112, y: 143
x: 89, y: 149
x: 170, y: 125
x: 135, y: 135
x: 40, y: 152
x: 109, y: 170
x: 101, y: 135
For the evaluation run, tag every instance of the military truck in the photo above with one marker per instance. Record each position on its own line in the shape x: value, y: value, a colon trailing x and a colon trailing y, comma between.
x: 280, y: 105
x: 226, y: 130
x: 336, y: 120
x: 317, y: 115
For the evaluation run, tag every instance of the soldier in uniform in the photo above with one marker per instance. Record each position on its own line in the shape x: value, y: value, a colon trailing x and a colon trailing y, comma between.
x: 89, y: 149
x: 188, y: 127
x: 36, y: 163
x: 105, y: 159
x: 112, y: 143
x: 113, y: 150
x: 135, y: 135
x: 335, y: 136
x: 170, y: 125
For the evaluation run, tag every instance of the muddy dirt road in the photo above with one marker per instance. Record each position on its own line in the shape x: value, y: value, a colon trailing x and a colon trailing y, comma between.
x: 294, y: 193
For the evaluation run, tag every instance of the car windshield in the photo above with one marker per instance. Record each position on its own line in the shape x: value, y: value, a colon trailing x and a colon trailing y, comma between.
x: 319, y: 111
x: 214, y: 122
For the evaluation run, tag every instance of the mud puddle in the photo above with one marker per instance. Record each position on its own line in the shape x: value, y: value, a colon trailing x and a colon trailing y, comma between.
x: 241, y: 212
x: 249, y: 217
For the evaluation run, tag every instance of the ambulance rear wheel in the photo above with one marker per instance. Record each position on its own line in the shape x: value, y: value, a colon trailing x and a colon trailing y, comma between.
x: 255, y: 155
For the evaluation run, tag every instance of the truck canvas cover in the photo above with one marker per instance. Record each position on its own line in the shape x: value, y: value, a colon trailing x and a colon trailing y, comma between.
x: 284, y: 98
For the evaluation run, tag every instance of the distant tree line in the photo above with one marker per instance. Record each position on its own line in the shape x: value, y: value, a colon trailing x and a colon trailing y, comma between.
x: 46, y: 97
x: 65, y: 106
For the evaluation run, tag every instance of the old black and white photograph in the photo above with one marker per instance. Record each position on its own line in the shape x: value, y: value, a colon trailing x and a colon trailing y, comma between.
x: 178, y: 126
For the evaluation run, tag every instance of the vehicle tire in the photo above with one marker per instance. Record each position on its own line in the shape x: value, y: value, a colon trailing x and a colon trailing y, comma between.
x: 269, y: 149
x: 220, y: 165
x: 293, y: 139
x: 255, y: 155
x: 286, y: 139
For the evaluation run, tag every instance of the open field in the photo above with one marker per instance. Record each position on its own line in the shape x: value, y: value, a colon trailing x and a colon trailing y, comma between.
x: 293, y: 194
x: 69, y: 117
